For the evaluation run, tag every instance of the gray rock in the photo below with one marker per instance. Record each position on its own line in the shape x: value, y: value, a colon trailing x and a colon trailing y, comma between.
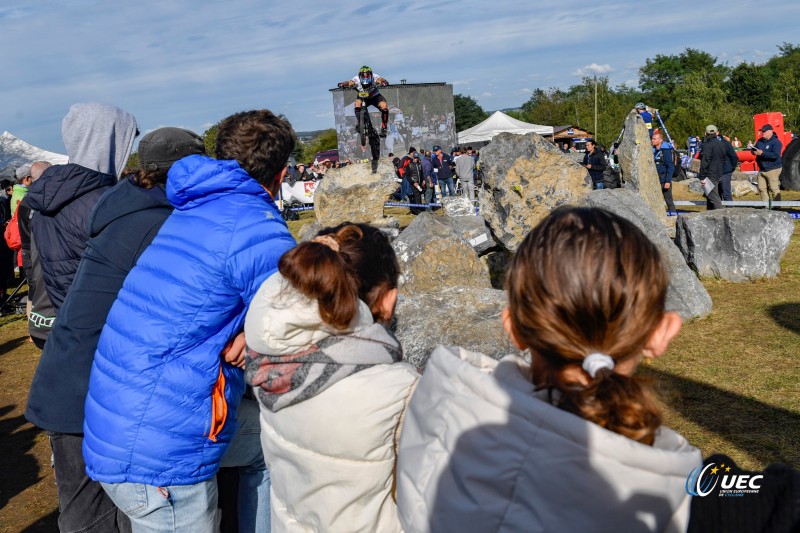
x: 455, y: 206
x: 693, y: 184
x: 472, y: 229
x: 736, y: 244
x: 455, y: 316
x: 309, y: 231
x: 685, y: 295
x: 434, y: 253
x: 740, y: 188
x: 638, y: 166
x: 354, y: 194
x: 739, y: 176
x: 524, y: 178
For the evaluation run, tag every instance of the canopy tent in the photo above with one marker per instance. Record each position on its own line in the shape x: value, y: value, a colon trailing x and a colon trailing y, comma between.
x: 15, y: 152
x: 499, y: 122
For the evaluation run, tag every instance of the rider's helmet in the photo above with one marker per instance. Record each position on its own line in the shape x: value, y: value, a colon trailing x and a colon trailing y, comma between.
x: 365, y: 76
x: 640, y: 105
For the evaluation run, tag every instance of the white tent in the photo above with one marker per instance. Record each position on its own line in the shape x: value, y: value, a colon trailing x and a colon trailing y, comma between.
x: 15, y: 152
x: 499, y: 122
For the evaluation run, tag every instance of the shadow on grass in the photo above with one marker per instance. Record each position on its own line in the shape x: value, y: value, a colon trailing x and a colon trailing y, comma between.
x: 12, y: 344
x: 787, y: 316
x: 20, y: 468
x: 46, y: 524
x: 766, y: 432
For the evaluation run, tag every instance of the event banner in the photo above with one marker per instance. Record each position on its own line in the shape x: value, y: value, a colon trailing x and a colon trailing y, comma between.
x: 420, y: 115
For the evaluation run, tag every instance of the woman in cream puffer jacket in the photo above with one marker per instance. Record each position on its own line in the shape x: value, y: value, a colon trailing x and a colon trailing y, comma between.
x: 332, y: 398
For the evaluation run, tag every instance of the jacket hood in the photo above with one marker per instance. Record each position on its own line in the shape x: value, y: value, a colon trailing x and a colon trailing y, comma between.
x: 509, y: 459
x: 122, y: 200
x: 197, y: 179
x: 99, y: 137
x: 283, y: 321
x: 61, y: 184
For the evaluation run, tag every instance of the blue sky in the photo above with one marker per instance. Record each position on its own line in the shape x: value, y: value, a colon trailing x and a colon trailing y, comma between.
x: 190, y: 63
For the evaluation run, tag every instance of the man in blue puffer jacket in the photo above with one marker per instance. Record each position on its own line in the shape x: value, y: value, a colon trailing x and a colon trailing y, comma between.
x: 161, y: 408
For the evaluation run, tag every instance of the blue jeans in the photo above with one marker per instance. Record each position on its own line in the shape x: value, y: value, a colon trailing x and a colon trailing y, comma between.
x: 446, y: 183
x: 246, y: 454
x: 175, y: 509
x: 599, y: 185
x: 725, y: 187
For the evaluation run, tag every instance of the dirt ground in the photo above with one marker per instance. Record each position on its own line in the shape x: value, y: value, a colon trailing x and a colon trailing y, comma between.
x: 28, y: 501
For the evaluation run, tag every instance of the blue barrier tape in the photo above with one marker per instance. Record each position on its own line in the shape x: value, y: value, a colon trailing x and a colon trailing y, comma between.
x: 401, y: 204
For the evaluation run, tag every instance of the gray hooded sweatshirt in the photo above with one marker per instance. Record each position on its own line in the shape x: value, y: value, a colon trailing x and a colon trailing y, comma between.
x: 99, y: 137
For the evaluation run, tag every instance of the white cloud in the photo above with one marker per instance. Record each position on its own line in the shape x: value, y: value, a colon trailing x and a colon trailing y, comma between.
x: 593, y: 69
x: 487, y: 94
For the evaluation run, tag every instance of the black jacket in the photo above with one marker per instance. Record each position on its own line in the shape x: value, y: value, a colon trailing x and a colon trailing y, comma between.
x: 413, y: 173
x: 598, y: 162
x: 712, y: 157
x: 24, y: 215
x: 122, y: 225
x: 63, y: 197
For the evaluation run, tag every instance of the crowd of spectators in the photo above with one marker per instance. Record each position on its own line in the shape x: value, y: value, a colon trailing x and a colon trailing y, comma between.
x: 183, y: 330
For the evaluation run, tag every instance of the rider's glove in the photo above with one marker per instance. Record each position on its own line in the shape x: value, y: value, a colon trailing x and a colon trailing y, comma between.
x: 384, y: 83
x: 343, y: 84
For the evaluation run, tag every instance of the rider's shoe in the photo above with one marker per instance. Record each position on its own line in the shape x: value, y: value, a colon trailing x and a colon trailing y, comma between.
x: 383, y: 131
x: 374, y: 166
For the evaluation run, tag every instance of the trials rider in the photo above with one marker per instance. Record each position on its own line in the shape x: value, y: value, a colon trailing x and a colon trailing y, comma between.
x: 367, y: 83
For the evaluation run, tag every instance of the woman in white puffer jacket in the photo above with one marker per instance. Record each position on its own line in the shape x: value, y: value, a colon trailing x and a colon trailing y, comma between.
x: 330, y: 382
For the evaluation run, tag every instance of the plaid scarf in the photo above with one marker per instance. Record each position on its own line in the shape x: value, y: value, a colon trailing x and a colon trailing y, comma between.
x: 283, y: 380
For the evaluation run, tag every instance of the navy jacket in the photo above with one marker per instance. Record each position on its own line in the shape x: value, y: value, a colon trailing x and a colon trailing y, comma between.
x: 598, y: 162
x: 122, y: 225
x: 665, y: 164
x: 442, y: 167
x: 427, y: 170
x: 730, y: 161
x: 771, y: 158
x: 63, y: 196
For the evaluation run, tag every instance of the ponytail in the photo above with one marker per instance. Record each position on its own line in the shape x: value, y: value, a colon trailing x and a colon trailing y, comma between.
x: 616, y: 402
x: 341, y: 266
x: 322, y: 274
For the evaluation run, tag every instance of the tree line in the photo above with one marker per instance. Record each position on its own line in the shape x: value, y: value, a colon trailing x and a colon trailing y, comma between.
x: 691, y: 90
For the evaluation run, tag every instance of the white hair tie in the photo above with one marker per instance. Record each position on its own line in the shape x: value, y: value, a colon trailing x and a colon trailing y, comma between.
x: 593, y: 362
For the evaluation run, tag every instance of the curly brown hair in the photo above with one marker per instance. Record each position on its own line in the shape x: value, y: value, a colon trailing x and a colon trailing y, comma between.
x: 586, y: 280
x: 260, y: 141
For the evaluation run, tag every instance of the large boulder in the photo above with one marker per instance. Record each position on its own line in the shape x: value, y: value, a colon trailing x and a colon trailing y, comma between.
x: 524, y: 178
x: 456, y: 316
x: 434, y: 253
x: 685, y: 295
x: 735, y: 244
x: 638, y: 166
x: 353, y: 193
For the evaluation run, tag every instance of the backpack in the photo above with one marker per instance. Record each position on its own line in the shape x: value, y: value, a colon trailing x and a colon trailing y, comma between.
x: 13, y: 239
x: 403, y: 166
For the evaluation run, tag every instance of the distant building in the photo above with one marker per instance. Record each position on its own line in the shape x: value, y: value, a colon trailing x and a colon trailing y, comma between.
x: 574, y: 135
